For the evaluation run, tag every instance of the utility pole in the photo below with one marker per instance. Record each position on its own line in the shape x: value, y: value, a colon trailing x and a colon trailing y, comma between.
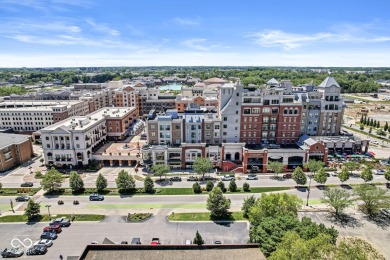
x: 48, y: 210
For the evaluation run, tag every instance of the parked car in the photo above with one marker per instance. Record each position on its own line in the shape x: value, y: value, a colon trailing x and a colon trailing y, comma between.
x: 254, y: 169
x: 188, y: 242
x: 217, y: 242
x: 228, y: 178
x: 192, y: 178
x: 48, y: 235
x: 206, y: 178
x: 56, y: 228
x: 64, y: 222
x: 379, y: 172
x: 44, y: 242
x: 176, y: 178
x: 37, y: 250
x: 136, y: 241
x: 155, y: 241
x: 11, y: 252
x: 22, y: 198
x: 335, y: 174
x: 94, y: 243
x: 96, y: 197
x: 124, y: 243
x: 251, y: 177
x: 27, y: 184
x: 287, y: 176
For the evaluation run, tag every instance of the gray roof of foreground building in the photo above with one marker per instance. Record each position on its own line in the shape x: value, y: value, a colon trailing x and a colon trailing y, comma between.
x: 10, y: 139
x: 173, y: 252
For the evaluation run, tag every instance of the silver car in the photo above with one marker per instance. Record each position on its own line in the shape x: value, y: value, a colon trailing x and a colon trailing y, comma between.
x: 44, y: 242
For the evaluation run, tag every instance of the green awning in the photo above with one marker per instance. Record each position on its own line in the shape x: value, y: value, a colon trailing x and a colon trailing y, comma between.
x: 330, y: 156
x: 338, y: 155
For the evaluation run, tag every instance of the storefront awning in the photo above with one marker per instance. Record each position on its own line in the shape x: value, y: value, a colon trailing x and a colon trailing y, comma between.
x: 275, y: 157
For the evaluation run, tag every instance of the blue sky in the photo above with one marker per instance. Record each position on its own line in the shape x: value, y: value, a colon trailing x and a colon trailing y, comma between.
x: 46, y: 33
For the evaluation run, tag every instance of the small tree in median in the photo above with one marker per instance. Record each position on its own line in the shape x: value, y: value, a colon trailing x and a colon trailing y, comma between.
x: 202, y: 166
x: 196, y: 188
x: 32, y: 209
x: 373, y: 198
x: 387, y: 175
x: 339, y: 199
x: 209, y: 186
x: 217, y: 204
x: 248, y: 203
x: 101, y: 182
x: 160, y: 170
x: 148, y: 185
x: 321, y: 176
x: 52, y: 180
x: 276, y: 167
x: 75, y: 181
x: 198, y: 240
x: 246, y: 187
x: 299, y: 176
x: 124, y: 181
x: 343, y: 175
x: 314, y: 166
x: 232, y: 186
x: 221, y: 185
x: 366, y: 174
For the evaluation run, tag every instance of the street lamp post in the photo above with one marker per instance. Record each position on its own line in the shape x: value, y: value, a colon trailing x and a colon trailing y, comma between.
x: 48, y: 210
x: 308, y: 191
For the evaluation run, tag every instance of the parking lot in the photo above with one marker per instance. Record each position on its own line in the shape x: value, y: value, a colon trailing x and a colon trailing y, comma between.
x: 73, y: 239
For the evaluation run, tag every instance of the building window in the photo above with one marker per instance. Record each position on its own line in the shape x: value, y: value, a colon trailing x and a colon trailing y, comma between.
x: 266, y: 110
x: 255, y: 110
x: 247, y: 111
x: 77, y: 138
x: 224, y: 118
x: 216, y: 127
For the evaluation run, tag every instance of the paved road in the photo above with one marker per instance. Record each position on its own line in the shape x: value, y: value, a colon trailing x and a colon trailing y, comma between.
x: 72, y: 241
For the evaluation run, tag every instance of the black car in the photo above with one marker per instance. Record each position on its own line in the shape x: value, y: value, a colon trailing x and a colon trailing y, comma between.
x: 217, y: 242
x: 37, y: 250
x: 287, y: 176
x: 136, y: 241
x: 11, y: 252
x: 22, y: 198
x: 206, y: 178
x: 192, y: 178
x: 48, y: 235
x: 96, y: 197
x: 27, y: 184
x: 176, y: 178
x: 64, y: 222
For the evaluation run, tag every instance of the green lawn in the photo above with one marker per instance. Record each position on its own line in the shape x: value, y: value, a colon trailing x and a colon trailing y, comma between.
x: 202, y: 216
x: 366, y: 133
x: 18, y: 191
x: 45, y: 218
x: 138, y: 217
x: 147, y: 206
x: 5, y: 207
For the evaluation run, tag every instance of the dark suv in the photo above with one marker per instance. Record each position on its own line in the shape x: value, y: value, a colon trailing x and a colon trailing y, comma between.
x: 96, y: 197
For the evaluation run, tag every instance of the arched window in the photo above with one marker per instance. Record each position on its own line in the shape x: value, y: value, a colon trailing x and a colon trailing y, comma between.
x: 295, y: 111
x: 285, y: 111
x: 291, y: 112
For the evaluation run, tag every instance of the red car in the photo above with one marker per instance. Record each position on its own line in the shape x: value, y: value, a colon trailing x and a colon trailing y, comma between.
x: 53, y: 228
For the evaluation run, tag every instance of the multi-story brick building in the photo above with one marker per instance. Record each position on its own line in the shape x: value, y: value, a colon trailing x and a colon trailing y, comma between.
x: 14, y: 150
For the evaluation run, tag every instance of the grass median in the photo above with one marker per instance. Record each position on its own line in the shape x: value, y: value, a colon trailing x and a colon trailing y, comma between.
x: 46, y: 218
x: 158, y: 191
x: 204, y: 216
x: 18, y: 191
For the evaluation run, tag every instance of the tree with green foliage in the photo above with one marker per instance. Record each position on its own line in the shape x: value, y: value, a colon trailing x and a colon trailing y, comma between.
x: 198, y: 240
x: 366, y: 174
x: 101, y: 182
x: 202, y: 166
x: 344, y: 175
x: 378, y: 124
x: 361, y: 119
x: 160, y: 170
x: 76, y: 183
x: 41, y: 160
x: 362, y: 127
x: 1, y: 185
x: 124, y: 181
x: 217, y: 204
x: 374, y: 124
x: 8, y: 90
x: 274, y: 204
x: 232, y: 186
x: 321, y: 176
x: 386, y: 127
x: 209, y: 186
x: 246, y: 187
x: 352, y: 248
x: 247, y: 205
x: 292, y: 246
x: 148, y: 185
x: 299, y: 176
x: 32, y: 209
x: 276, y: 167
x: 313, y: 166
x: 339, y: 199
x: 351, y: 166
x: 381, y: 132
x: 365, y: 120
x: 221, y: 185
x: 387, y: 175
x: 370, y: 130
x: 52, y: 180
x: 196, y: 188
x: 371, y: 122
x: 374, y: 198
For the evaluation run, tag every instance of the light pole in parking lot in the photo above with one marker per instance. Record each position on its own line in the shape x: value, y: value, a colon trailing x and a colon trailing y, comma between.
x: 48, y: 210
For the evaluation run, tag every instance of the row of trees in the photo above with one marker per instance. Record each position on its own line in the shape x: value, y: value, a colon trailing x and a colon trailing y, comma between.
x: 197, y: 188
x: 371, y: 122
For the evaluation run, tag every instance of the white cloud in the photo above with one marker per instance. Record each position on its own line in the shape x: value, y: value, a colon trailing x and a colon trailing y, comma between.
x: 103, y: 28
x: 287, y: 40
x: 44, y: 5
x: 200, y: 44
x: 187, y: 21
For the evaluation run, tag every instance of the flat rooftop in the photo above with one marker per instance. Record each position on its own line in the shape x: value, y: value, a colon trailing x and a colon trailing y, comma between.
x: 9, y: 139
x: 172, y: 252
x: 341, y: 138
x: 91, y: 119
